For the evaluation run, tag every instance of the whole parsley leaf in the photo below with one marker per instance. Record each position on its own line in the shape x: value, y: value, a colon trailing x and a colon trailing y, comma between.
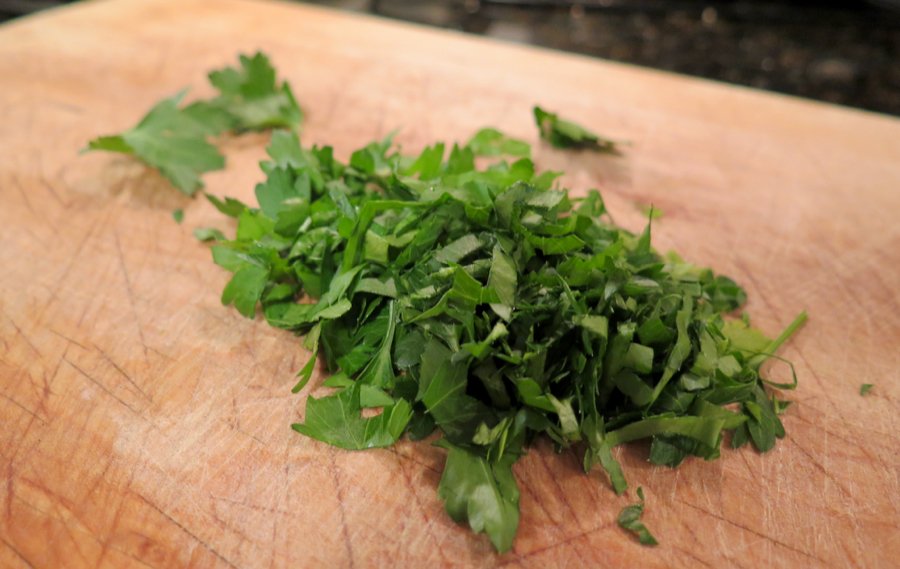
x: 170, y: 140
x: 251, y: 97
x: 174, y: 139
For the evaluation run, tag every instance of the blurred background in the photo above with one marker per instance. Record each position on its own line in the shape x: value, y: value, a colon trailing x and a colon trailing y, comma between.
x: 840, y: 51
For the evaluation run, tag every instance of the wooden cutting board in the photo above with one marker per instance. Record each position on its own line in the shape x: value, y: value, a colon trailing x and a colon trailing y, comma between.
x: 143, y: 424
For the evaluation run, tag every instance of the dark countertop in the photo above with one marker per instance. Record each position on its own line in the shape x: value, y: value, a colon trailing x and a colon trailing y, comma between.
x: 844, y: 52
x: 841, y: 51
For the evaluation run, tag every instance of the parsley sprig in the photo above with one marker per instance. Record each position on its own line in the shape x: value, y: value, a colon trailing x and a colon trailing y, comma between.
x: 174, y: 139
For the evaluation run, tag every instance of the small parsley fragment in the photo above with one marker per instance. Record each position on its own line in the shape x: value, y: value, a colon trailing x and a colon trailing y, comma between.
x: 208, y: 234
x: 178, y: 215
x: 630, y: 519
x: 865, y: 388
x: 650, y: 211
x: 492, y: 142
x: 563, y: 133
x: 174, y: 139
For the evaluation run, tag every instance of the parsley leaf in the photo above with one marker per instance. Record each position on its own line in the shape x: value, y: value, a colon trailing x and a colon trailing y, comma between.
x: 208, y: 234
x: 492, y: 142
x: 482, y: 492
x: 650, y: 211
x: 245, y: 289
x: 865, y: 388
x: 174, y: 139
x: 563, y: 133
x: 336, y: 420
x: 630, y: 519
x: 170, y: 140
x: 252, y: 98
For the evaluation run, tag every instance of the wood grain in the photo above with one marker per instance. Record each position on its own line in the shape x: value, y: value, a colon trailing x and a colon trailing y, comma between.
x: 146, y: 425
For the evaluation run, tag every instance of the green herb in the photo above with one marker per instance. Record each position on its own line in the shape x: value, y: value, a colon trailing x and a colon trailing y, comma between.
x: 482, y: 492
x: 178, y: 215
x: 492, y: 307
x: 483, y: 302
x: 563, y: 133
x: 252, y: 98
x: 492, y: 142
x: 209, y: 234
x: 336, y: 420
x: 650, y: 211
x: 170, y: 140
x: 175, y: 140
x: 630, y: 519
x: 865, y: 388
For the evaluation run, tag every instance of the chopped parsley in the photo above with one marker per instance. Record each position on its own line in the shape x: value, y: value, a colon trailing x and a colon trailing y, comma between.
x: 630, y: 519
x: 492, y: 306
x: 478, y: 300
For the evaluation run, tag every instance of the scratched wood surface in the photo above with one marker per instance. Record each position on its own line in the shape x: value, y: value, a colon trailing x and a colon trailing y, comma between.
x: 143, y: 424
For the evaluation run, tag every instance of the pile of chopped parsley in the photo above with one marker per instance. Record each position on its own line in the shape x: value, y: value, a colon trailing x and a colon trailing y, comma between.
x: 464, y: 294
